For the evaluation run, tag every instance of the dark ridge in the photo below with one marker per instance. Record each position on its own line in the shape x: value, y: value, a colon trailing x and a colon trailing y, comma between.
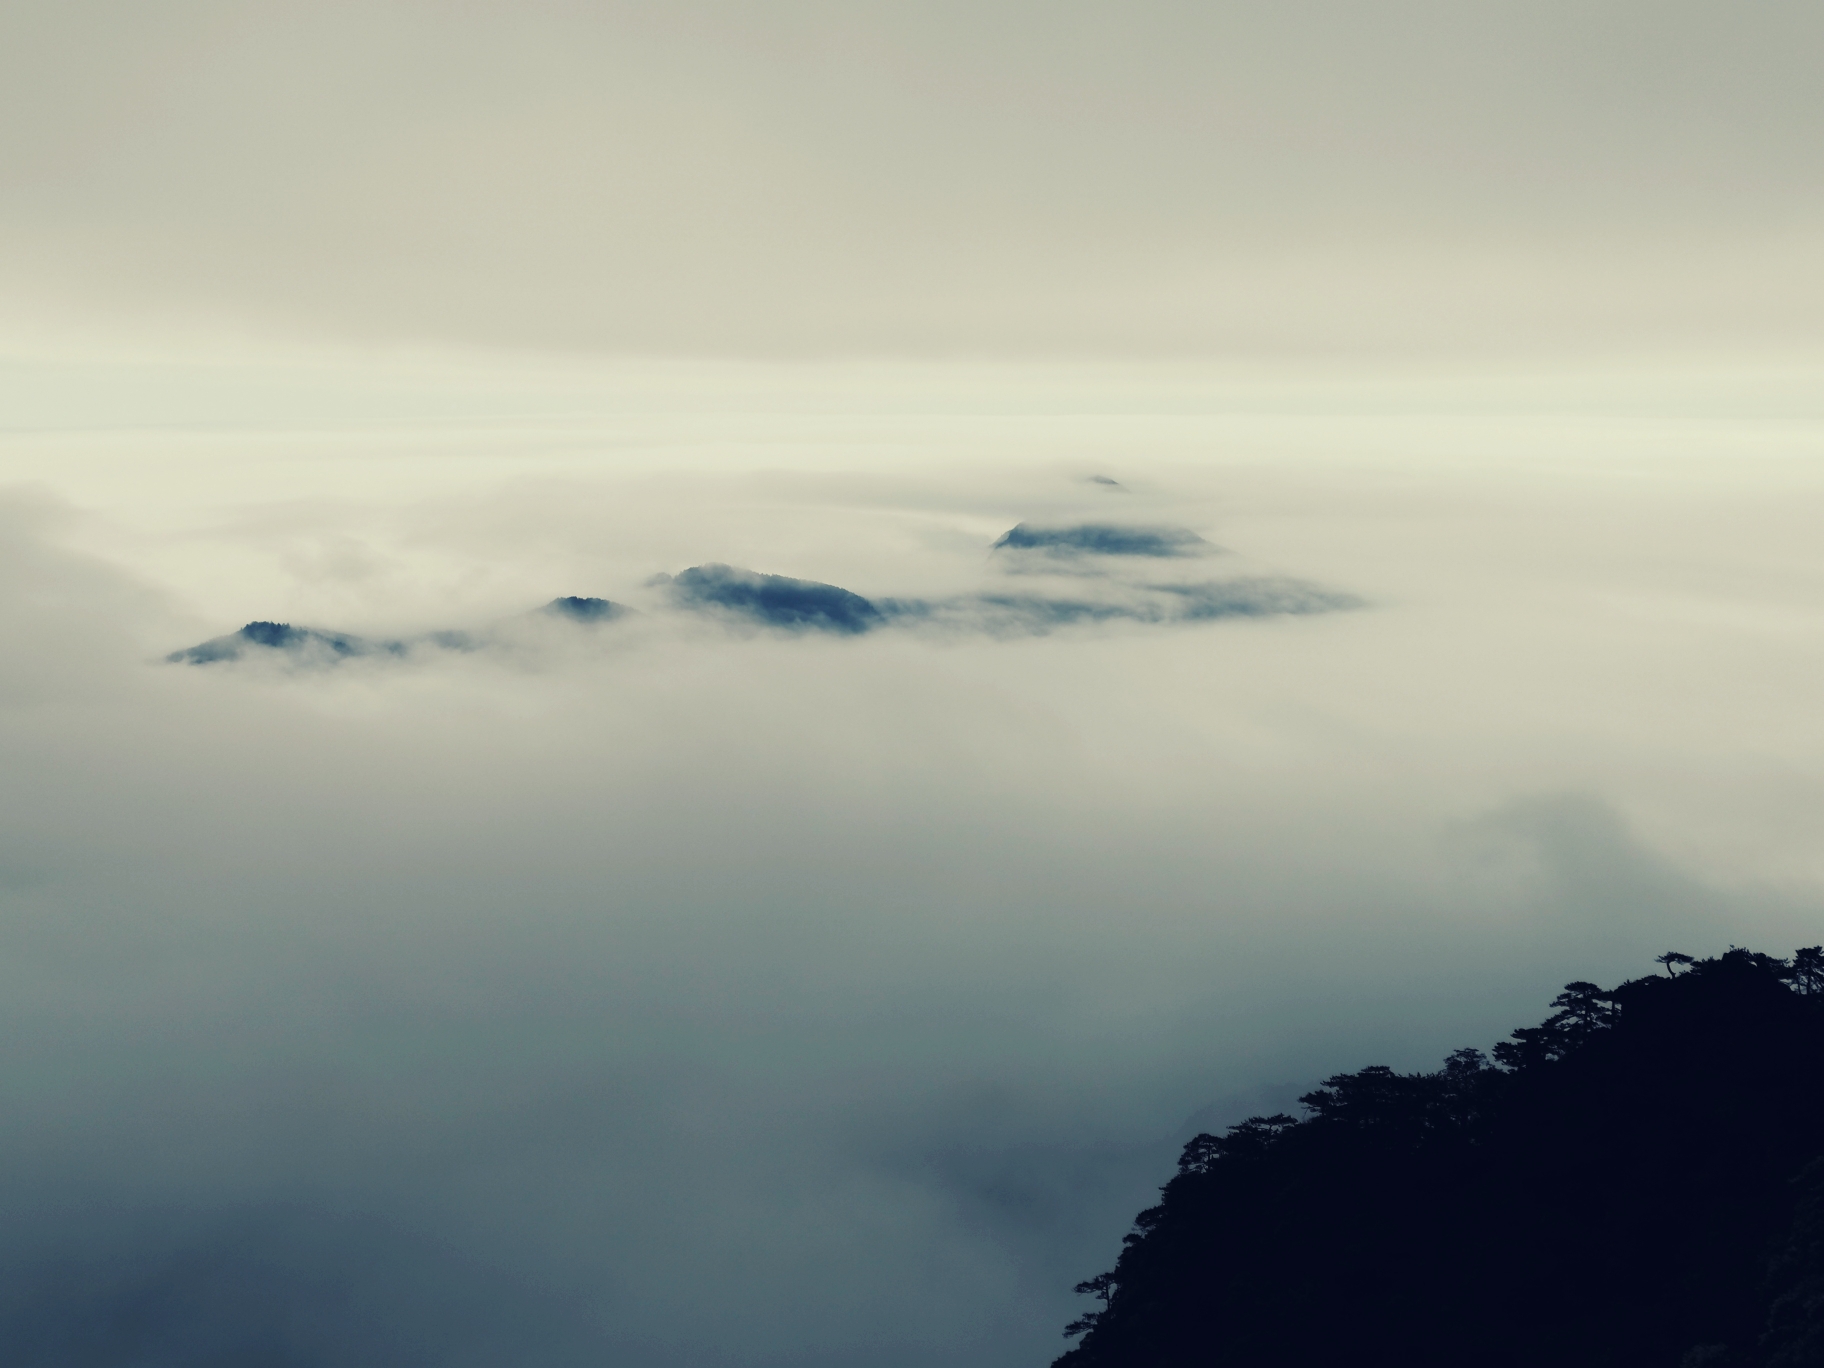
x: 1106, y: 481
x: 281, y: 636
x: 776, y: 600
x: 1037, y: 614
x: 1101, y: 539
x: 585, y: 609
x: 272, y: 633
x: 1259, y: 597
x: 1634, y: 1183
x: 1007, y: 615
x: 806, y: 605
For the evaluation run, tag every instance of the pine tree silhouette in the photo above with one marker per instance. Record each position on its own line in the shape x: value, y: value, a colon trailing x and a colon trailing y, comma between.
x: 1629, y: 1185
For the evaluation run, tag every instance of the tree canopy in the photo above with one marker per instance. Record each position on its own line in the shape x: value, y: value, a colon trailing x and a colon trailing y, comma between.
x: 1636, y: 1182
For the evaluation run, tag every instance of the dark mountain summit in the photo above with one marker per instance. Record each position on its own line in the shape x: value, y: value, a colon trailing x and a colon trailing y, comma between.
x: 310, y: 646
x: 1111, y: 572
x: 282, y: 636
x: 1102, y: 539
x: 579, y: 609
x: 775, y: 600
x: 1634, y: 1183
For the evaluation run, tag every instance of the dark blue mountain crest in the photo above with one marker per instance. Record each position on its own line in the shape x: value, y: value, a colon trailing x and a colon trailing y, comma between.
x: 1101, y: 539
x: 775, y: 600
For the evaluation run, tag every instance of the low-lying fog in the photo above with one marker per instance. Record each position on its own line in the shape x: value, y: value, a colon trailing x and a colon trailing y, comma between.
x: 715, y: 984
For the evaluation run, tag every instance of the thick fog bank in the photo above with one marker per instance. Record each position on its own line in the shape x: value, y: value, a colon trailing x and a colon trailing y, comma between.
x: 685, y: 988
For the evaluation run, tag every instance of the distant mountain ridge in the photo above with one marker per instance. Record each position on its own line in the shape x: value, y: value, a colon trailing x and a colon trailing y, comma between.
x: 326, y: 647
x: 1060, y: 576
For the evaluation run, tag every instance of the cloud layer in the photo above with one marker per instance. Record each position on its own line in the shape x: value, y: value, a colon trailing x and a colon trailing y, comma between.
x: 691, y: 987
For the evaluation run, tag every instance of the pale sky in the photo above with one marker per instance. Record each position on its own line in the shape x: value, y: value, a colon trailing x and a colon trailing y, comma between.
x: 930, y: 177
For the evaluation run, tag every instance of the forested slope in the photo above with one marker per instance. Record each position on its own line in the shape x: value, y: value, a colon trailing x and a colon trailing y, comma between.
x: 1634, y: 1182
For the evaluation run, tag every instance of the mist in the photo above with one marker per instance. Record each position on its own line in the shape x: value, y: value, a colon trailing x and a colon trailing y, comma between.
x: 699, y: 987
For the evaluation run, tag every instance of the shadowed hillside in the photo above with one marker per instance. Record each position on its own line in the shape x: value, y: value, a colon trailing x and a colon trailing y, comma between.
x: 1634, y: 1183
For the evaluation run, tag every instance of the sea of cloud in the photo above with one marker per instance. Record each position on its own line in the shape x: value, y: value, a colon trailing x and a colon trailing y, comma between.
x: 710, y: 987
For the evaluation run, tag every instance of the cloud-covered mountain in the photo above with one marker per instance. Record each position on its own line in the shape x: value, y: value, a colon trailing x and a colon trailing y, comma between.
x: 304, y: 644
x: 313, y: 647
x: 1103, y: 539
x: 1004, y: 614
x: 1101, y: 587
x: 590, y: 610
x: 773, y: 600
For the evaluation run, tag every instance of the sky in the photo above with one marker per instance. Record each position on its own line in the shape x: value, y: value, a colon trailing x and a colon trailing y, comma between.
x: 824, y: 178
x: 874, y: 614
